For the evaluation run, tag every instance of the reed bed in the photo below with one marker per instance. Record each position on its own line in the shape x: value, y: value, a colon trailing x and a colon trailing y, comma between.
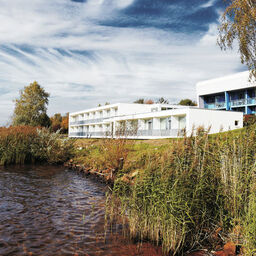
x: 25, y: 144
x: 195, y: 193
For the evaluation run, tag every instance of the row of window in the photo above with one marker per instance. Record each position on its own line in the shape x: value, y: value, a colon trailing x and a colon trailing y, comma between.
x: 147, y: 124
x: 95, y: 115
x: 236, y: 95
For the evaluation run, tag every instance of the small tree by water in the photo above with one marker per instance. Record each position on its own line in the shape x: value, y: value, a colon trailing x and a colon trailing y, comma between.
x: 31, y: 106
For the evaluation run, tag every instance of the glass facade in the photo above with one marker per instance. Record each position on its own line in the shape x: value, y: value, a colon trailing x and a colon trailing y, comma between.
x: 239, y: 100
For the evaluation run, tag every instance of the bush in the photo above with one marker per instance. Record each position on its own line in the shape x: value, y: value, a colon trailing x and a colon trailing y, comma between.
x: 26, y: 144
x: 51, y: 147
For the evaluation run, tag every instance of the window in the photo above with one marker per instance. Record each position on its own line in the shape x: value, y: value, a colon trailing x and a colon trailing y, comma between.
x: 163, y: 124
x: 241, y: 96
x: 209, y: 99
x: 251, y: 93
x: 150, y: 124
x: 236, y: 122
x: 182, y: 122
x: 169, y: 123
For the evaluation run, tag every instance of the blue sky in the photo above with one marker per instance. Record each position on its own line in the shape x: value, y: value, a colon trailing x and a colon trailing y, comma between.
x: 86, y: 52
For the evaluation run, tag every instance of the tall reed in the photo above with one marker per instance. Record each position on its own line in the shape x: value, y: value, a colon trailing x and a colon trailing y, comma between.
x: 15, y: 144
x: 25, y: 144
x: 194, y: 186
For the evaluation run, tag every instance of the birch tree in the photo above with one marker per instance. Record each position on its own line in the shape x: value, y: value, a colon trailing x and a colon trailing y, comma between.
x: 30, y: 108
x: 239, y: 25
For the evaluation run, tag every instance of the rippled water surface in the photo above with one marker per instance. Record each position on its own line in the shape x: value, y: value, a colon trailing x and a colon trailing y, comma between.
x: 52, y: 211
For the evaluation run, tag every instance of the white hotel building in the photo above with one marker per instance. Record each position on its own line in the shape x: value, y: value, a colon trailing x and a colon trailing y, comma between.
x: 151, y: 121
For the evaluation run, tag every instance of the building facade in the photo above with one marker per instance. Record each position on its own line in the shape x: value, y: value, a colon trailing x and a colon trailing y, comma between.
x: 234, y: 93
x: 143, y: 121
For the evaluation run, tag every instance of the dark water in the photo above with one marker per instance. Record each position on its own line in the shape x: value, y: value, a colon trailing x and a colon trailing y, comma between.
x: 53, y: 211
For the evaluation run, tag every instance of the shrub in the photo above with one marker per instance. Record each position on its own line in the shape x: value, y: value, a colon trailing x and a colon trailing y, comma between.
x: 26, y: 144
x: 51, y: 147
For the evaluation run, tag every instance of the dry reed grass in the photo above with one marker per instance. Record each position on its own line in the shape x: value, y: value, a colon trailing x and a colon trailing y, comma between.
x: 26, y: 144
x: 189, y: 189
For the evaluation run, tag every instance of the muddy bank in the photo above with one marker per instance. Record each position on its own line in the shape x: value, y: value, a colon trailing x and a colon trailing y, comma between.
x: 107, y: 175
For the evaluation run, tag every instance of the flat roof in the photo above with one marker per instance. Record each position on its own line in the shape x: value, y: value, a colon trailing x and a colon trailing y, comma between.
x: 227, y: 83
x: 133, y: 104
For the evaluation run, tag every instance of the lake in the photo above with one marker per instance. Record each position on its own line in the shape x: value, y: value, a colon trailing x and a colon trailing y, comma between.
x: 49, y: 210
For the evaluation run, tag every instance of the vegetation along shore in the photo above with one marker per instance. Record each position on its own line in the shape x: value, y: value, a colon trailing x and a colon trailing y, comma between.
x: 184, y: 194
x: 27, y: 144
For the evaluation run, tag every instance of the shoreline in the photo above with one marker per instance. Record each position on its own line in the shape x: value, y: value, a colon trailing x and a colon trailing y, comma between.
x: 228, y: 249
x: 105, y: 176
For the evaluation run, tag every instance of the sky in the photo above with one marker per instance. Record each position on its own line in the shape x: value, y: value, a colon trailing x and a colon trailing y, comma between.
x: 88, y: 52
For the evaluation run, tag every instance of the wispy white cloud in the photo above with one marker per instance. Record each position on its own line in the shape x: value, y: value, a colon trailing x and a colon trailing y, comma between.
x: 208, y: 4
x: 81, y: 63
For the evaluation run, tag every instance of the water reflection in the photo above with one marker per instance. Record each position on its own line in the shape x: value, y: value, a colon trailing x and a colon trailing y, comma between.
x: 47, y: 210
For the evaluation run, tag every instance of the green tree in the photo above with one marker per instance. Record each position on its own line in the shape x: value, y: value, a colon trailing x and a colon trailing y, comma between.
x: 45, y: 120
x: 139, y: 101
x: 31, y: 107
x: 239, y: 24
x: 187, y: 102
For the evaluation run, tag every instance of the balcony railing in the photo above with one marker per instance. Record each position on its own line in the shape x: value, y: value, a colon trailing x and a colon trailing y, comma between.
x: 251, y: 101
x: 239, y: 102
x: 88, y: 134
x: 89, y: 121
x: 159, y: 133
x: 243, y: 102
x: 139, y: 133
x: 233, y: 103
x: 215, y: 105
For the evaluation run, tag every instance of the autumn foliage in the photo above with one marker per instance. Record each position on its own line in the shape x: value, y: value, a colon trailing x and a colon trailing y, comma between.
x: 28, y: 144
x: 59, y: 122
x: 239, y: 24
